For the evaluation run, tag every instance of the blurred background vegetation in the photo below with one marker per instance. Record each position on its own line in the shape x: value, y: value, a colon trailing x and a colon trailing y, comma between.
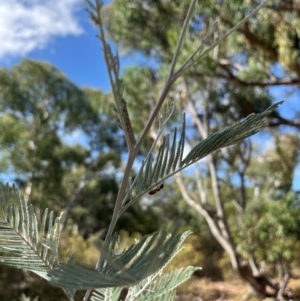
x: 61, y: 145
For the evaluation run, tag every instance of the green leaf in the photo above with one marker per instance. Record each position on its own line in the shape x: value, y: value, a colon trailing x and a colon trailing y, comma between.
x: 157, y: 287
x: 156, y: 169
x: 21, y: 239
x: 231, y: 135
x: 162, y: 288
x: 124, y: 269
x: 169, y: 159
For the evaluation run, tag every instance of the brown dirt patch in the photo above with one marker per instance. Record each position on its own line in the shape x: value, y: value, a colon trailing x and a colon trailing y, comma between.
x: 206, y: 290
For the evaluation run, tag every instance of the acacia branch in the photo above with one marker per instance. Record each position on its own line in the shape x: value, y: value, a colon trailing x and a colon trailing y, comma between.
x: 170, y: 80
x: 202, y: 50
x: 116, y: 87
x: 113, y: 69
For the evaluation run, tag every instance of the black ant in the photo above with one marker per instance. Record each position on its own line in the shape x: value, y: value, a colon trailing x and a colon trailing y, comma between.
x: 156, y: 189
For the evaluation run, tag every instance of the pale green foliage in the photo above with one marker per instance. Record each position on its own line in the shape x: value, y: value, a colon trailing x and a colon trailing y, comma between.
x: 107, y: 294
x: 157, y: 286
x: 124, y: 268
x: 35, y: 248
x: 28, y: 245
x: 231, y: 135
x: 269, y: 230
x: 169, y: 159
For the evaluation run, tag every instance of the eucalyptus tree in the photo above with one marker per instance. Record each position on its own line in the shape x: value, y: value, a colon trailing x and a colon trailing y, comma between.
x: 56, y: 137
x: 35, y: 247
x: 263, y: 52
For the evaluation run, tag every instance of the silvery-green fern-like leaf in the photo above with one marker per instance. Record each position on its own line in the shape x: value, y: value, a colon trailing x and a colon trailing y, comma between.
x: 156, y: 287
x: 25, y: 244
x: 161, y: 287
x: 231, y: 135
x: 123, y: 269
x: 107, y: 294
x: 169, y: 158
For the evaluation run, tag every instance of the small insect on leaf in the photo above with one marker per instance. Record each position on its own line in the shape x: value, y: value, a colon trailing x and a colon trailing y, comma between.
x: 161, y: 186
x: 156, y: 189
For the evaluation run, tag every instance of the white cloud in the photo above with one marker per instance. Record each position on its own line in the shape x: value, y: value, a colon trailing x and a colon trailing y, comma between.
x: 26, y: 25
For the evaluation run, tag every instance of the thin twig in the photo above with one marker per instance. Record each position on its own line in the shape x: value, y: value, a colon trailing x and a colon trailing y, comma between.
x: 181, y: 36
x: 191, y: 61
x: 170, y: 80
x: 113, y: 68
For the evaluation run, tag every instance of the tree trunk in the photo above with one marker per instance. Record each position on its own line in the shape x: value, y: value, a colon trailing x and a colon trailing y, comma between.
x: 259, y: 282
x: 216, y: 217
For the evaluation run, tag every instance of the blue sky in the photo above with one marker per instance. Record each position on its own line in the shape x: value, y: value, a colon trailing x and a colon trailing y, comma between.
x: 59, y: 32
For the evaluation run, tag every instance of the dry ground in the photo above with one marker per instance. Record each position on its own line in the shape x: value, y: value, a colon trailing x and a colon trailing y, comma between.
x: 206, y: 290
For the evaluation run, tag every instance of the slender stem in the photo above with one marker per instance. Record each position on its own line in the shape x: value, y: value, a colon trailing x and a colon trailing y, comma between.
x: 116, y: 214
x: 149, y: 153
x: 170, y: 80
x: 113, y: 71
x: 131, y: 157
x: 118, y: 205
x: 192, y: 60
x: 105, y: 50
x: 181, y: 36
